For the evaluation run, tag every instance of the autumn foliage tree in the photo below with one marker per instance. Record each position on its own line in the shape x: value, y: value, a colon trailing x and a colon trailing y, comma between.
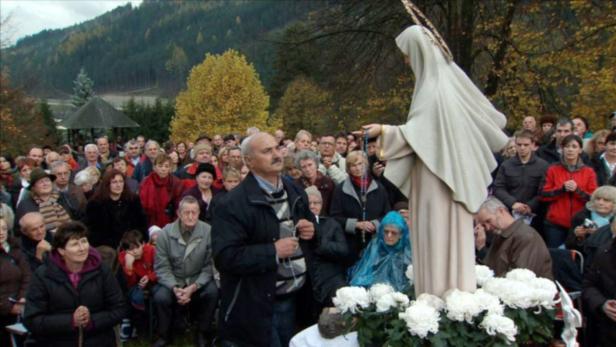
x: 223, y: 95
x: 21, y: 121
x: 528, y: 57
x: 304, y: 105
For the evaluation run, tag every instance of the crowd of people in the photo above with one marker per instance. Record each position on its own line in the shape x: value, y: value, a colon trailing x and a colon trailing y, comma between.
x: 263, y: 229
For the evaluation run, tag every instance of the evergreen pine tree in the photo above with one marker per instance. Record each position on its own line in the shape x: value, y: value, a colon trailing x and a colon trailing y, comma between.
x: 48, y: 120
x: 83, y: 89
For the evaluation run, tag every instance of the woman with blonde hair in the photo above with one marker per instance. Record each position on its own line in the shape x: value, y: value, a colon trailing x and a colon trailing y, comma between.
x: 596, y: 145
x: 358, y: 204
x: 598, y: 212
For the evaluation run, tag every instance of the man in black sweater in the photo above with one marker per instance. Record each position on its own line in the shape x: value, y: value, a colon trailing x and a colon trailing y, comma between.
x: 518, y: 180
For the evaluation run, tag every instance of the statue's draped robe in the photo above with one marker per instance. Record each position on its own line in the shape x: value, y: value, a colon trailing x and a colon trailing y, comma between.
x: 442, y: 159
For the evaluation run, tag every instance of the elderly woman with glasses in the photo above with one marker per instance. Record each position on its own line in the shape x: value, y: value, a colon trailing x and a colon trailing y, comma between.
x: 387, y: 256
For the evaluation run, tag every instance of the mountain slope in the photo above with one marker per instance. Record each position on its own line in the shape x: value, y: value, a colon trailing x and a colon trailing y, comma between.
x: 152, y: 46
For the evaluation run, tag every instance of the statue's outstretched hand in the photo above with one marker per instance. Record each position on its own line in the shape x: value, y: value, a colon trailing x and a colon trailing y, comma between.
x: 373, y: 130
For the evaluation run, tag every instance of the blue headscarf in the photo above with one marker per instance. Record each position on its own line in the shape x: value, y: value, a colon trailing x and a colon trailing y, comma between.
x: 381, y: 263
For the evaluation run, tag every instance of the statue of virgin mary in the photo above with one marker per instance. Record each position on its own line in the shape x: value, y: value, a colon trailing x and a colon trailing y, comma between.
x: 441, y: 159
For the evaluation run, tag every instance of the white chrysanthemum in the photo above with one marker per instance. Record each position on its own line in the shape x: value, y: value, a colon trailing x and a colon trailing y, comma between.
x: 378, y: 290
x: 489, y: 302
x: 432, y: 300
x: 483, y: 274
x: 409, y: 273
x: 420, y: 319
x: 351, y: 299
x: 521, y: 275
x: 496, y: 324
x: 401, y: 299
x: 392, y: 300
x: 544, y: 292
x: 512, y: 293
x: 462, y: 306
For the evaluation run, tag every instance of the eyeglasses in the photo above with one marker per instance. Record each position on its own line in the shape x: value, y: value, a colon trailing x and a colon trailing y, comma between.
x: 391, y: 232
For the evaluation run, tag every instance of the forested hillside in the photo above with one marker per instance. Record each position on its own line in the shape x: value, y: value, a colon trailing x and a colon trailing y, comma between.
x: 151, y: 47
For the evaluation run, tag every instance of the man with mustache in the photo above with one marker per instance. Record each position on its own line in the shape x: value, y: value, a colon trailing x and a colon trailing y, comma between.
x: 261, y: 242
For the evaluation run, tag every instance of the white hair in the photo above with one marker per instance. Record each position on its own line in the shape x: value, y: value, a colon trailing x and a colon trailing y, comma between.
x: 151, y: 142
x: 90, y: 146
x: 57, y: 164
x: 82, y: 177
x: 492, y: 205
x: 246, y: 145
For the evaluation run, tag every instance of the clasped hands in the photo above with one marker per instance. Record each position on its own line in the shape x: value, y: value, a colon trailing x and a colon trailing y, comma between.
x: 81, y: 316
x: 183, y: 294
x: 570, y: 186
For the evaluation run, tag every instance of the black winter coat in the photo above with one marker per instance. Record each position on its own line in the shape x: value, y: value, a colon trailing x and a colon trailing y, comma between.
x: 108, y: 220
x: 243, y: 235
x: 329, y: 272
x: 602, y: 171
x: 51, y: 301
x: 600, y: 285
x: 518, y: 182
x: 591, y: 243
x: 347, y: 209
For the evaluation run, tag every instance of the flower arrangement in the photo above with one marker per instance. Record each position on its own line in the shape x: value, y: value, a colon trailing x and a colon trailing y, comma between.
x: 516, y: 309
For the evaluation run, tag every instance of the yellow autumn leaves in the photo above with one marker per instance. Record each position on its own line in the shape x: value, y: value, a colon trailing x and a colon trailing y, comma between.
x: 223, y: 95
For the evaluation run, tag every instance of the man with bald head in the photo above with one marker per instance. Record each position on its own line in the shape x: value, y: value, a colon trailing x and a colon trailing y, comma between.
x: 35, y: 240
x: 261, y: 241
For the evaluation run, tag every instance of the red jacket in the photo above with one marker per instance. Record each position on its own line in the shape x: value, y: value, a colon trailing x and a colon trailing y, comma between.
x: 141, y: 267
x: 160, y: 198
x: 564, y: 205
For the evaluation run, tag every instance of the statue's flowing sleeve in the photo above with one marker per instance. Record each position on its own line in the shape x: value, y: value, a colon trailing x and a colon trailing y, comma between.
x: 395, y: 149
x: 393, y: 144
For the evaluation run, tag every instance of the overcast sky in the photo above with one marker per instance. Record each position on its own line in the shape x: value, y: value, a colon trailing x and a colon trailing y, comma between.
x: 28, y: 17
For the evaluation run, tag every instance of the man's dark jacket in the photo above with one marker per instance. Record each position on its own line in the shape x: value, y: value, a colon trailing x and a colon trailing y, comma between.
x: 143, y: 169
x: 603, y: 174
x: 28, y: 248
x: 243, y: 236
x: 600, y: 285
x: 519, y: 182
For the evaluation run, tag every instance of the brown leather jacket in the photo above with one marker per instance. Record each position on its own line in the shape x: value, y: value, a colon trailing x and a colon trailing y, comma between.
x: 519, y: 246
